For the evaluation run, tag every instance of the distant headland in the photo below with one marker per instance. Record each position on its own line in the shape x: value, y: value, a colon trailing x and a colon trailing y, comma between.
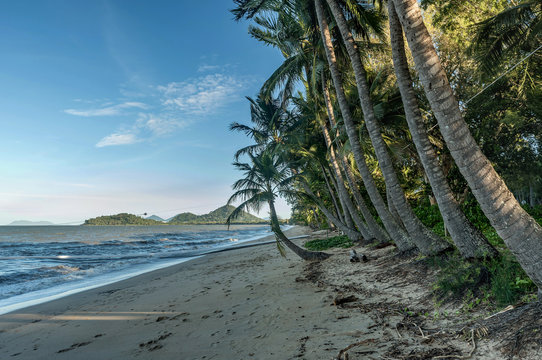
x: 217, y: 216
x: 29, y: 223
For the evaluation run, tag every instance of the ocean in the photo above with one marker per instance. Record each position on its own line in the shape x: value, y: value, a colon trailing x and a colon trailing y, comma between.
x: 42, y: 263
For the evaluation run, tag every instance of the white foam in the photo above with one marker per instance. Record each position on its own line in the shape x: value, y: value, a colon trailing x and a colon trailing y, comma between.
x: 56, y: 292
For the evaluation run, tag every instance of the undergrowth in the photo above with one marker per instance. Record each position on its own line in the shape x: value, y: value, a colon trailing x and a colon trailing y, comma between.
x: 332, y: 242
x: 499, y: 281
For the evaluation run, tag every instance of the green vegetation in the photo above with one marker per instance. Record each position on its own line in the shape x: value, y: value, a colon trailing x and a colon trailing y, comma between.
x: 121, y: 219
x: 332, y: 242
x: 217, y: 216
x: 332, y: 112
x: 500, y: 281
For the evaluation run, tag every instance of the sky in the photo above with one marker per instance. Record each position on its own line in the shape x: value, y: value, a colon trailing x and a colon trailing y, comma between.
x: 122, y: 106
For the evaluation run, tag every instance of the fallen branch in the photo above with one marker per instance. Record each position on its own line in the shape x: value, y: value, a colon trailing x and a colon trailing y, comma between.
x: 461, y: 357
x: 343, y: 351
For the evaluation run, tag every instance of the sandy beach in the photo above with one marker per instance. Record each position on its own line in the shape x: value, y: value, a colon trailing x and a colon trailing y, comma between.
x: 251, y: 303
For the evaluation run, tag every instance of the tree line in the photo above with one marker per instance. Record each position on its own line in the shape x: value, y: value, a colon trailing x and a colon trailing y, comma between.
x: 384, y: 110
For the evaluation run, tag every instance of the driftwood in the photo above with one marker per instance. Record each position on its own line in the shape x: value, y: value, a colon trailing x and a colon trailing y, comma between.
x: 339, y: 300
x: 355, y: 257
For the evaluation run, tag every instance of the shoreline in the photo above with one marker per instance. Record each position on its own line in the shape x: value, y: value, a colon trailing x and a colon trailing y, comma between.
x: 251, y: 303
x: 58, y: 328
x: 22, y: 301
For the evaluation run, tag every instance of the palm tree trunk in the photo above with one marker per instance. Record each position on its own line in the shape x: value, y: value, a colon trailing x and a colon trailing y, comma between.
x: 392, y: 208
x: 376, y: 231
x: 332, y: 195
x: 428, y: 242
x: 379, y: 233
x: 469, y: 240
x: 302, y: 253
x: 343, y: 193
x: 403, y: 241
x: 519, y: 231
x: 351, y: 233
x: 374, y: 228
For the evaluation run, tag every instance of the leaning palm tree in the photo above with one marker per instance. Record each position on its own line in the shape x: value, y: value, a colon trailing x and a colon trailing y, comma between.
x: 428, y: 242
x: 520, y: 232
x: 265, y: 177
x: 468, y: 239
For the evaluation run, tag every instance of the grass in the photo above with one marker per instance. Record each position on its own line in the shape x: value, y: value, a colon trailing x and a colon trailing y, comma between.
x: 332, y: 242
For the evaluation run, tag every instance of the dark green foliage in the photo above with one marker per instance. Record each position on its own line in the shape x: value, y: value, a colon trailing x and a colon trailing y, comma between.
x: 217, y: 216
x: 535, y: 211
x: 500, y: 280
x: 333, y: 242
x: 430, y: 217
x: 121, y: 219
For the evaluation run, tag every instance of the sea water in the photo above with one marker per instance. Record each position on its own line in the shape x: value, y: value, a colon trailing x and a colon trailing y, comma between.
x: 41, y: 263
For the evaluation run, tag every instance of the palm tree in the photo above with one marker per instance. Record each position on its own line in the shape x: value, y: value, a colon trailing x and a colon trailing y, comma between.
x: 520, y: 232
x: 295, y: 38
x: 517, y: 29
x: 469, y: 240
x: 265, y: 177
x: 401, y: 238
x: 272, y: 125
x: 427, y: 241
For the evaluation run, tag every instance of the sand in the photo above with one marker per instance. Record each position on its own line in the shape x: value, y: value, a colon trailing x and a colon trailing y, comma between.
x: 250, y: 303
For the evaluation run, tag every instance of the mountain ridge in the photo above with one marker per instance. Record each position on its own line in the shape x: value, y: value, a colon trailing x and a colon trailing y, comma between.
x: 217, y: 216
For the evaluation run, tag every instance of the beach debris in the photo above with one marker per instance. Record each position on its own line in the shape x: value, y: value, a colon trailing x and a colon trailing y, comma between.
x: 355, y: 257
x: 359, y: 343
x: 339, y: 300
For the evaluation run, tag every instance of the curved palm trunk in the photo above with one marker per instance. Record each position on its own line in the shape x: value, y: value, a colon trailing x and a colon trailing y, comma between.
x: 428, y: 242
x: 393, y: 211
x: 375, y: 229
x: 346, y: 215
x: 367, y: 234
x: 469, y: 240
x: 332, y: 195
x: 351, y: 233
x: 378, y: 232
x: 519, y: 231
x: 302, y: 253
x: 401, y: 239
x: 342, y: 189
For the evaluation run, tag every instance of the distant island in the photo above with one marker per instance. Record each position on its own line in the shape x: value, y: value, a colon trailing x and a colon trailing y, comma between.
x: 217, y: 216
x: 29, y: 223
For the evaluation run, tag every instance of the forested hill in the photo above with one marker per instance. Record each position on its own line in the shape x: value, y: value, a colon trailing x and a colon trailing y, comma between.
x: 121, y: 219
x: 217, y: 216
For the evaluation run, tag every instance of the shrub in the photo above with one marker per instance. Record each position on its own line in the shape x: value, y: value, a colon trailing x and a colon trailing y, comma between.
x: 500, y: 280
x: 323, y: 244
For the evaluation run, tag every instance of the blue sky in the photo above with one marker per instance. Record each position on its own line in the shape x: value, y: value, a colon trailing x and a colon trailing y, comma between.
x: 122, y: 106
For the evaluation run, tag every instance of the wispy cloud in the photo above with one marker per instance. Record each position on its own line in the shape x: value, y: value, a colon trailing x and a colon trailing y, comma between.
x: 202, y: 95
x: 107, y: 110
x: 215, y: 68
x: 160, y: 125
x: 159, y: 110
x: 118, y: 139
